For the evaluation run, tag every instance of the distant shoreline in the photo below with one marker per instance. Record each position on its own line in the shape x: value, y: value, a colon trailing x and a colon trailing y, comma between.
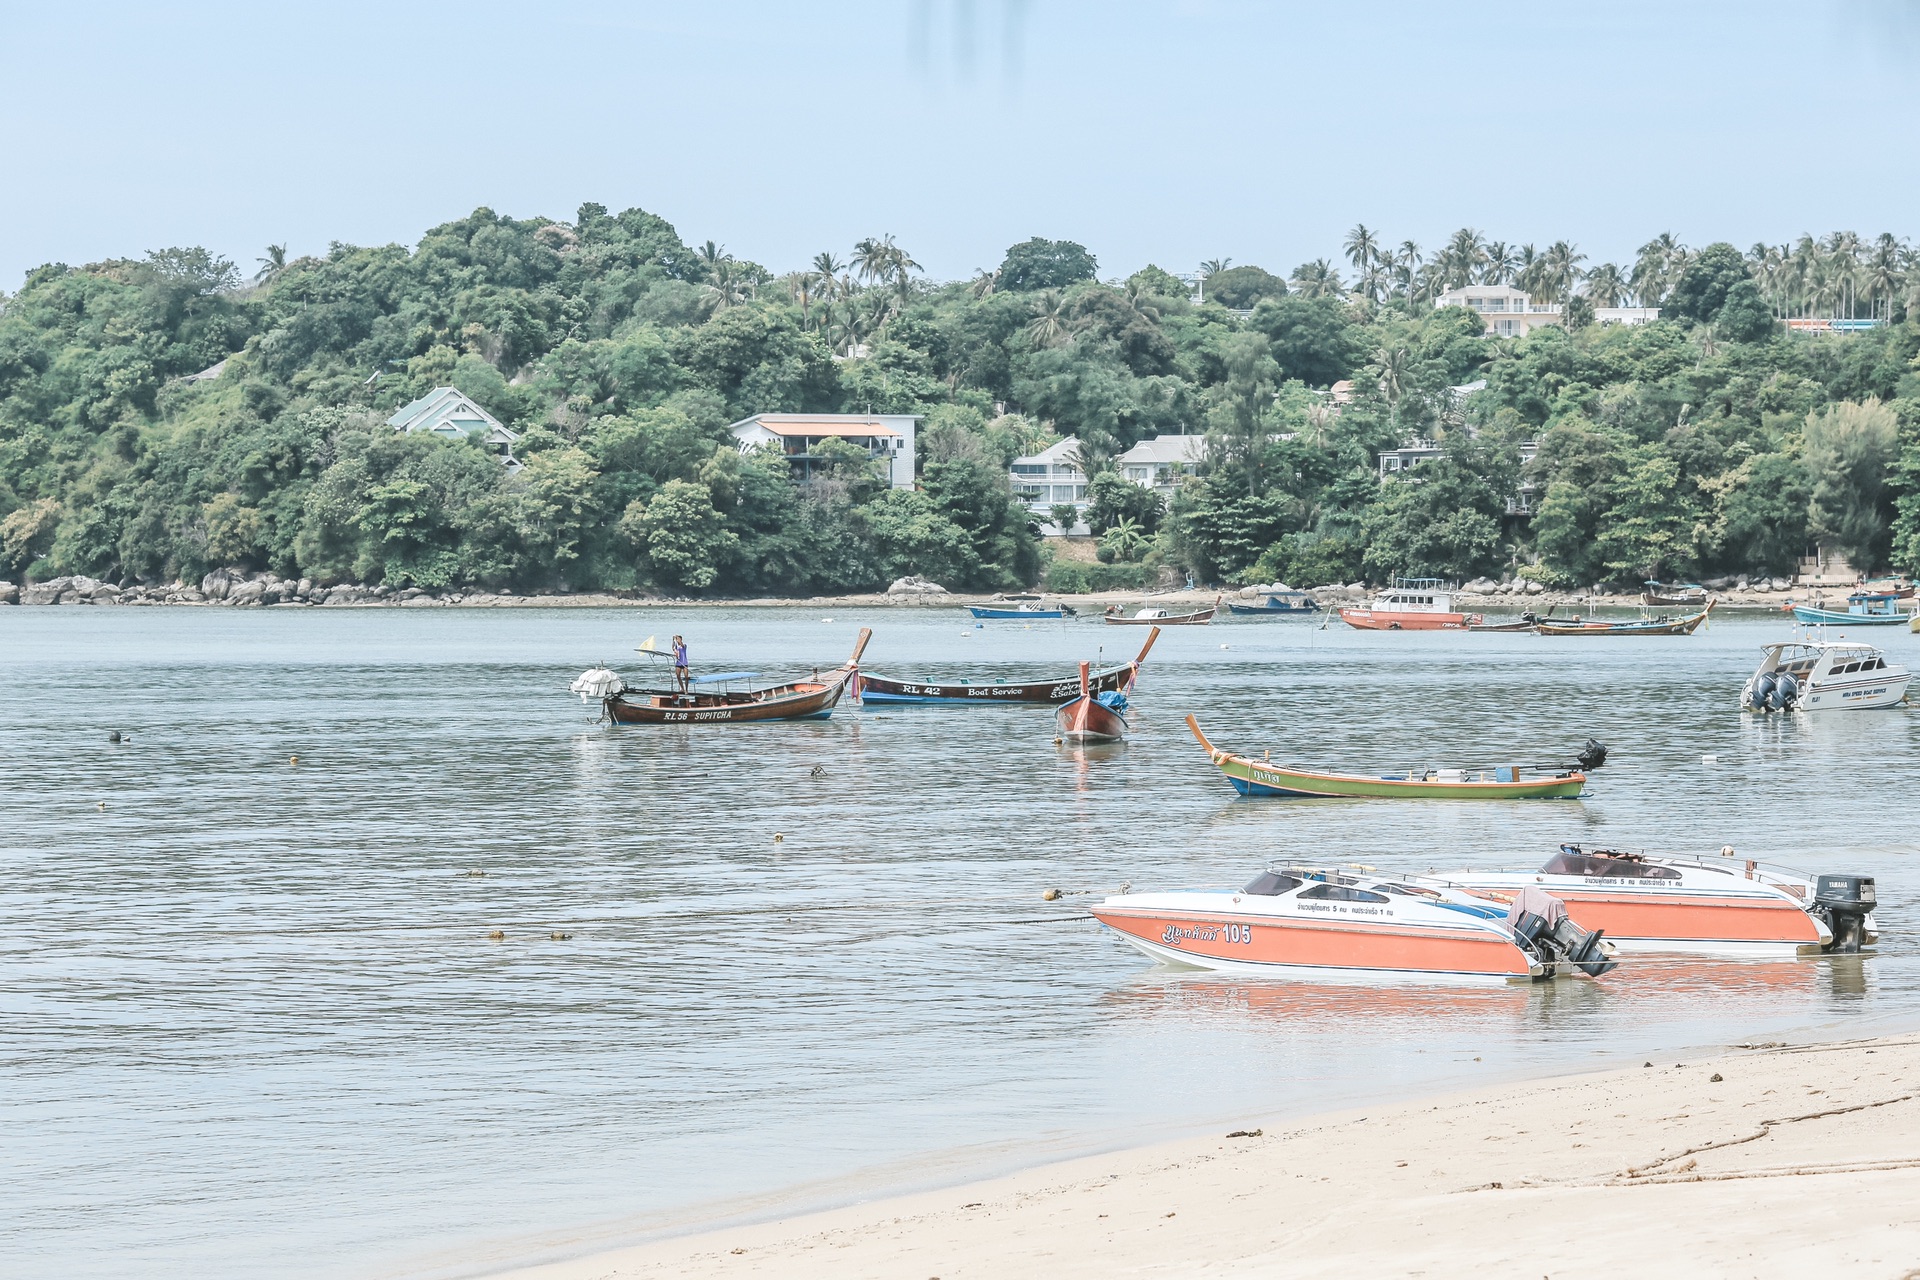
x: 284, y: 594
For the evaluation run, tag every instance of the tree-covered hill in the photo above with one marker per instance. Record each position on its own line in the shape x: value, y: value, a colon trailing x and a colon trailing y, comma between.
x: 1713, y: 440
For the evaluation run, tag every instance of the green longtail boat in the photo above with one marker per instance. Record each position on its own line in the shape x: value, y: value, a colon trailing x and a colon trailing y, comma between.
x: 1504, y: 782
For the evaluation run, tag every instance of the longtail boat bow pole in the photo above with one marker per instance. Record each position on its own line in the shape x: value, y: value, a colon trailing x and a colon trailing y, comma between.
x: 860, y: 647
x: 1133, y: 676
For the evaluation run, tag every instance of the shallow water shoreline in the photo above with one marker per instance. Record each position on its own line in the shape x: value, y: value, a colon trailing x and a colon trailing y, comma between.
x: 1774, y: 1160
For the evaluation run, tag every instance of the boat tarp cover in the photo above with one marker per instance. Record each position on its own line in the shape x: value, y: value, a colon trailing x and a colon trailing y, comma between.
x: 719, y: 676
x: 1540, y: 903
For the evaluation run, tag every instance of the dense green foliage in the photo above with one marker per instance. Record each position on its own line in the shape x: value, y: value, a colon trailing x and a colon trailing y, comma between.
x: 1710, y: 441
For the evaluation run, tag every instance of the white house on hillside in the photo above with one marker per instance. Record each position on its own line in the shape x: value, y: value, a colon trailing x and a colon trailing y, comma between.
x: 1160, y: 464
x: 1510, y: 313
x: 448, y: 411
x: 1044, y: 480
x: 887, y: 438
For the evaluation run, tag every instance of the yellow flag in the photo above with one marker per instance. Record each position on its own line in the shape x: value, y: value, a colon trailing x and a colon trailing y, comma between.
x: 648, y: 646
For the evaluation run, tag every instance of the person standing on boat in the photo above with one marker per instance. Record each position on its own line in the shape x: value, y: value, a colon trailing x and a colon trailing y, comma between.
x: 680, y: 668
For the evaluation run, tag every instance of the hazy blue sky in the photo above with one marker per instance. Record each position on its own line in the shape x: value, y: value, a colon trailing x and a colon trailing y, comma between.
x: 1163, y: 132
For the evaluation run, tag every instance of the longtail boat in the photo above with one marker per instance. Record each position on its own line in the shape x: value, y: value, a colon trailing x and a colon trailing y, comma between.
x: 872, y: 688
x: 1662, y: 626
x: 1161, y: 618
x: 1504, y: 782
x: 1864, y: 609
x: 799, y: 700
x: 1091, y: 717
x: 1028, y: 612
x: 1293, y: 602
x: 1674, y: 595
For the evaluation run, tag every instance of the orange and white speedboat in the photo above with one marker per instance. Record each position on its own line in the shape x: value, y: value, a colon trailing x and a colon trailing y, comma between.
x: 1350, y: 925
x: 1411, y: 604
x: 1722, y: 905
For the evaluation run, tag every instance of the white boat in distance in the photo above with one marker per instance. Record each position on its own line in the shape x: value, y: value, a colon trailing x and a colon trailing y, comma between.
x: 1824, y: 675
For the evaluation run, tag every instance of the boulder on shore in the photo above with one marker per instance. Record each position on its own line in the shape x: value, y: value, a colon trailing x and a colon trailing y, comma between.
x: 9, y: 593
x: 915, y: 585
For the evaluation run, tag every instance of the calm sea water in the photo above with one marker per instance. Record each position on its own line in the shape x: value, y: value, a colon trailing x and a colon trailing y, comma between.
x: 251, y: 1020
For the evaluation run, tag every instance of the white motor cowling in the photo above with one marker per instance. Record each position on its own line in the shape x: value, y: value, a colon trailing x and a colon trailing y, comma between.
x: 597, y: 685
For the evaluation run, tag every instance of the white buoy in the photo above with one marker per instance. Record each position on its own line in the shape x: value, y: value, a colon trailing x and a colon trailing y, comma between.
x: 1709, y: 759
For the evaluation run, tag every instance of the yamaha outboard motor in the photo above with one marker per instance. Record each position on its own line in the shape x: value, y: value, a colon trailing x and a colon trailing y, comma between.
x: 1581, y: 948
x: 1786, y: 692
x: 1759, y: 689
x: 1845, y: 901
x: 1592, y: 756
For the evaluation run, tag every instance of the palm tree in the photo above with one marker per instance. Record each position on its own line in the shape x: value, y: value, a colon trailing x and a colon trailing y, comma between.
x: 1528, y: 267
x: 1463, y: 256
x: 1361, y: 246
x: 870, y: 260
x: 1394, y: 367
x: 1657, y: 267
x: 827, y: 266
x: 1607, y: 285
x: 1139, y: 300
x: 984, y: 283
x: 1882, y: 274
x: 1317, y: 279
x: 1124, y: 541
x: 1214, y: 266
x: 1498, y: 265
x: 803, y: 287
x: 1048, y: 328
x: 1562, y: 270
x: 272, y: 265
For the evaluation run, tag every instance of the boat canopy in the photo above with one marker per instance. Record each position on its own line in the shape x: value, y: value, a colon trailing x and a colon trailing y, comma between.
x: 721, y: 676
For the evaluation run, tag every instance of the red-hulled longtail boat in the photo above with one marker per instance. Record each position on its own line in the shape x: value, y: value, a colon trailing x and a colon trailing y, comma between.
x: 1704, y: 905
x: 978, y: 693
x: 1087, y: 719
x: 800, y: 700
x: 1346, y: 924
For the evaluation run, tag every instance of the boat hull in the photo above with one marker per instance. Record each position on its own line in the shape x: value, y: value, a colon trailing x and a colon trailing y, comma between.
x: 1860, y: 695
x: 1655, y: 919
x: 1200, y: 619
x: 1032, y: 693
x: 1264, y: 778
x: 1283, y: 608
x: 1086, y: 720
x: 1016, y: 614
x: 807, y: 701
x: 1328, y: 950
x: 1676, y: 627
x: 1382, y: 620
x: 1838, y: 617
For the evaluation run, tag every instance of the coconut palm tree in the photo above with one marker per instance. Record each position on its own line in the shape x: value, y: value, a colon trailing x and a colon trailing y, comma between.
x: 1461, y: 260
x: 1562, y: 270
x: 1362, y: 247
x: 1529, y: 268
x: 1393, y: 368
x: 1317, y: 279
x: 1049, y: 326
x: 272, y: 265
x: 984, y: 283
x: 1607, y: 286
x: 1214, y: 266
x: 1498, y: 265
x: 1881, y: 275
x: 1658, y: 267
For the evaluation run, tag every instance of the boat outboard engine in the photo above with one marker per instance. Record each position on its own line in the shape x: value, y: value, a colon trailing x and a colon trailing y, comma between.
x: 1581, y: 947
x: 1592, y: 756
x: 1786, y: 692
x: 1759, y: 689
x: 1845, y: 901
x: 1541, y: 925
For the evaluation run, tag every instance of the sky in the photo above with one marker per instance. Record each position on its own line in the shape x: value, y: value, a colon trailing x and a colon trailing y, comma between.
x: 1150, y: 132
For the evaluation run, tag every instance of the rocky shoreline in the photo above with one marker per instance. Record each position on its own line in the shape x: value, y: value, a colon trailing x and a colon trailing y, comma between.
x: 233, y: 588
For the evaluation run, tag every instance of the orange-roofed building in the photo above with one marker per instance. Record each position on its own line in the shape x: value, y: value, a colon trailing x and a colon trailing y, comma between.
x: 887, y: 438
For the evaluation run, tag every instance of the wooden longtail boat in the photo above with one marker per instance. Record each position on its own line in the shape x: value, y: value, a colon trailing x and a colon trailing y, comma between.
x: 1506, y: 782
x: 1161, y: 618
x: 1284, y: 602
x: 1087, y: 719
x: 872, y: 688
x: 1674, y: 595
x: 1525, y: 622
x: 800, y: 700
x: 1644, y: 627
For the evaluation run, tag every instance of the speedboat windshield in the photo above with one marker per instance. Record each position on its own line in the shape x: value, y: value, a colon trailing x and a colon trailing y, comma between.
x: 1572, y: 861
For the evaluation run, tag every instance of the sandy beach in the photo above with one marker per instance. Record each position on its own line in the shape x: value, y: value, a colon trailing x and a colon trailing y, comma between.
x: 1775, y: 1160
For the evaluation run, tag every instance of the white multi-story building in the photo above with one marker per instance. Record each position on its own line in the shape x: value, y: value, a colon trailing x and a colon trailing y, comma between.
x: 1050, y: 478
x: 887, y: 438
x: 1160, y: 464
x: 1510, y: 313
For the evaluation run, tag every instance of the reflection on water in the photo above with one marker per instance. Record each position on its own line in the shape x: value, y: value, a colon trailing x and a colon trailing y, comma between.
x: 252, y: 1007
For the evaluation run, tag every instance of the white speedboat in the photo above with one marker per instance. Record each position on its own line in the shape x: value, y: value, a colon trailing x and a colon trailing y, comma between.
x: 1722, y: 905
x: 1350, y: 925
x: 1824, y: 675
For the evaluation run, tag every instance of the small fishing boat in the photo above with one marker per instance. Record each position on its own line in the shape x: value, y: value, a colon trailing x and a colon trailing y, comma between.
x: 1674, y: 595
x: 1411, y: 604
x: 1025, y: 610
x: 1897, y: 585
x: 1278, y: 602
x: 1864, y: 609
x: 1821, y: 675
x: 872, y: 688
x: 711, y: 700
x: 1717, y: 906
x: 1161, y: 618
x: 1092, y: 717
x: 1350, y: 923
x: 1252, y: 777
x: 1661, y: 626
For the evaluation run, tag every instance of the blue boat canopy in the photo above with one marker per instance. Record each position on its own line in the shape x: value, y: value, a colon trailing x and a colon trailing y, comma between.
x: 719, y: 676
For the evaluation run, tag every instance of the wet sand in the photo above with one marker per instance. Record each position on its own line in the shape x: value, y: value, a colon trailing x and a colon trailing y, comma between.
x: 1778, y: 1160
